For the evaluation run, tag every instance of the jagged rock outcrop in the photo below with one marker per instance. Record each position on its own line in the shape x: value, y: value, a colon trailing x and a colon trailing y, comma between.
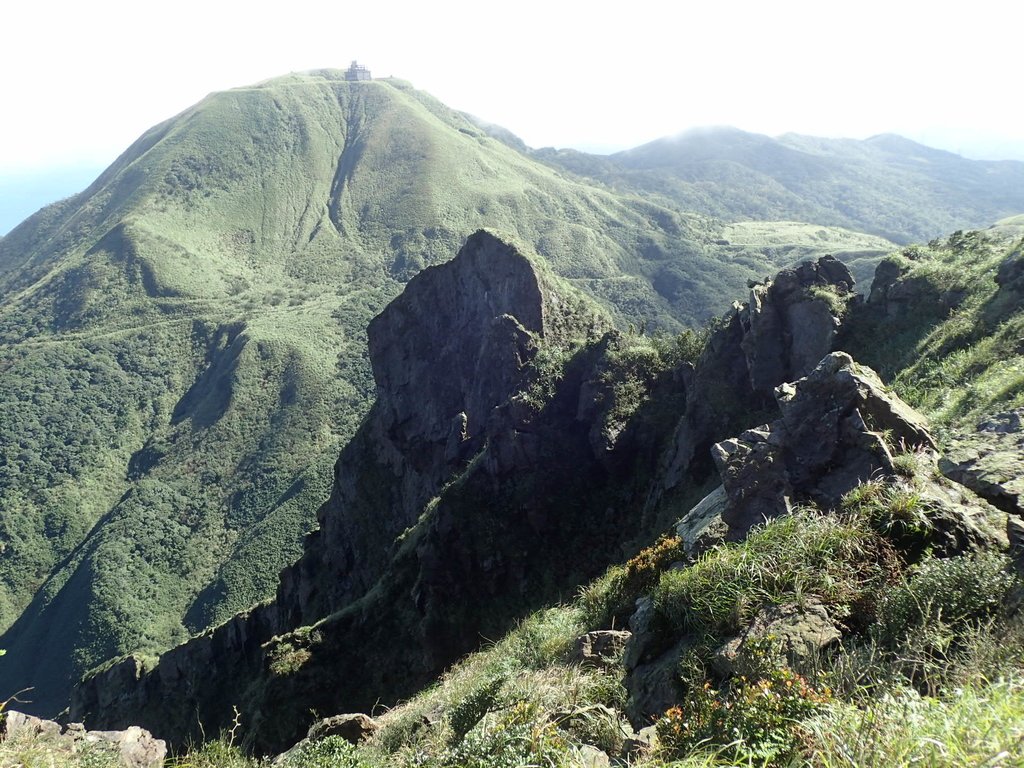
x: 787, y: 326
x: 827, y: 441
x: 445, y: 354
x: 134, y: 746
x: 833, y: 433
x: 453, y: 512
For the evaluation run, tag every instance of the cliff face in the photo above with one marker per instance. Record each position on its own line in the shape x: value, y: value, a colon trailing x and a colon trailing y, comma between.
x: 453, y: 347
x: 446, y: 354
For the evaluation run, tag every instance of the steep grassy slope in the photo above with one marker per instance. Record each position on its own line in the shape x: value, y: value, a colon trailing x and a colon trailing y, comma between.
x: 945, y: 323
x: 183, y: 344
x: 885, y: 185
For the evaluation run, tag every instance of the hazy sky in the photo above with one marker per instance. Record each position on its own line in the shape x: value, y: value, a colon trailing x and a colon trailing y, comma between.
x: 81, y: 80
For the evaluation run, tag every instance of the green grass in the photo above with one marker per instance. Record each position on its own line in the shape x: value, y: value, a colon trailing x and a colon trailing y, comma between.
x: 954, y: 352
x: 982, y: 724
x: 841, y: 561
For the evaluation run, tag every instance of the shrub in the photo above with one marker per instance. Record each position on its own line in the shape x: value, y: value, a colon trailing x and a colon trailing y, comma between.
x: 896, y: 511
x: 217, y: 753
x: 465, y: 714
x: 840, y: 560
x: 945, y: 595
x: 754, y: 718
x: 516, y: 737
x: 329, y: 752
x: 616, y: 592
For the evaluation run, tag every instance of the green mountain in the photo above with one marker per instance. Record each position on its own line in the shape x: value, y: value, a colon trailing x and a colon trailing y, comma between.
x: 183, y: 348
x: 885, y: 185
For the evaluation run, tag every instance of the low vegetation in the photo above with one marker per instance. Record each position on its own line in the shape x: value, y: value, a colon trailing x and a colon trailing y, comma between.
x: 930, y: 671
x: 951, y: 342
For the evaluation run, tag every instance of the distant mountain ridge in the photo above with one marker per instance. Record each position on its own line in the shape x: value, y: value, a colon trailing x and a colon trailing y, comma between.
x: 885, y: 185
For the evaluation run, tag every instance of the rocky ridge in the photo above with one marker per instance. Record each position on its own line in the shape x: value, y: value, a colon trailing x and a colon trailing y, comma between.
x: 470, y: 502
x: 455, y: 429
x: 134, y: 747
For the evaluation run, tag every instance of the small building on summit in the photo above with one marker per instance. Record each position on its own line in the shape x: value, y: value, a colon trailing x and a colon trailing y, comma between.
x: 357, y: 72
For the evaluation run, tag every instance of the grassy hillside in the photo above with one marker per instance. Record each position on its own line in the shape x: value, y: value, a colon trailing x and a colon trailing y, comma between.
x: 182, y: 345
x: 885, y: 185
x: 950, y: 336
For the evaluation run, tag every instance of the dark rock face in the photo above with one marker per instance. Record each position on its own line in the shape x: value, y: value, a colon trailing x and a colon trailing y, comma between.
x: 1010, y: 276
x: 410, y: 568
x: 826, y: 442
x: 788, y: 325
x: 445, y: 354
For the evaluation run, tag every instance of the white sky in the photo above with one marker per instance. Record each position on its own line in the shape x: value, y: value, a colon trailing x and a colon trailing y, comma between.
x: 81, y: 80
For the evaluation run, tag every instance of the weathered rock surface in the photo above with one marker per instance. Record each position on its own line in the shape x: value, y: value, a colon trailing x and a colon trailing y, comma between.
x: 990, y: 461
x: 353, y: 728
x: 828, y: 440
x: 601, y: 647
x: 654, y: 685
x: 802, y: 630
x: 702, y: 527
x: 592, y: 757
x: 787, y: 326
x: 445, y: 354
x: 136, y: 747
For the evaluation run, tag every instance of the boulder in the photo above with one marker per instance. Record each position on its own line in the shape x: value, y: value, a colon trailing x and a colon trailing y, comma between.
x: 601, y: 648
x: 353, y: 728
x: 788, y: 326
x: 18, y: 724
x: 827, y: 441
x: 136, y: 745
x: 702, y: 527
x: 802, y: 630
x: 654, y: 686
x: 592, y: 757
x: 648, y: 635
